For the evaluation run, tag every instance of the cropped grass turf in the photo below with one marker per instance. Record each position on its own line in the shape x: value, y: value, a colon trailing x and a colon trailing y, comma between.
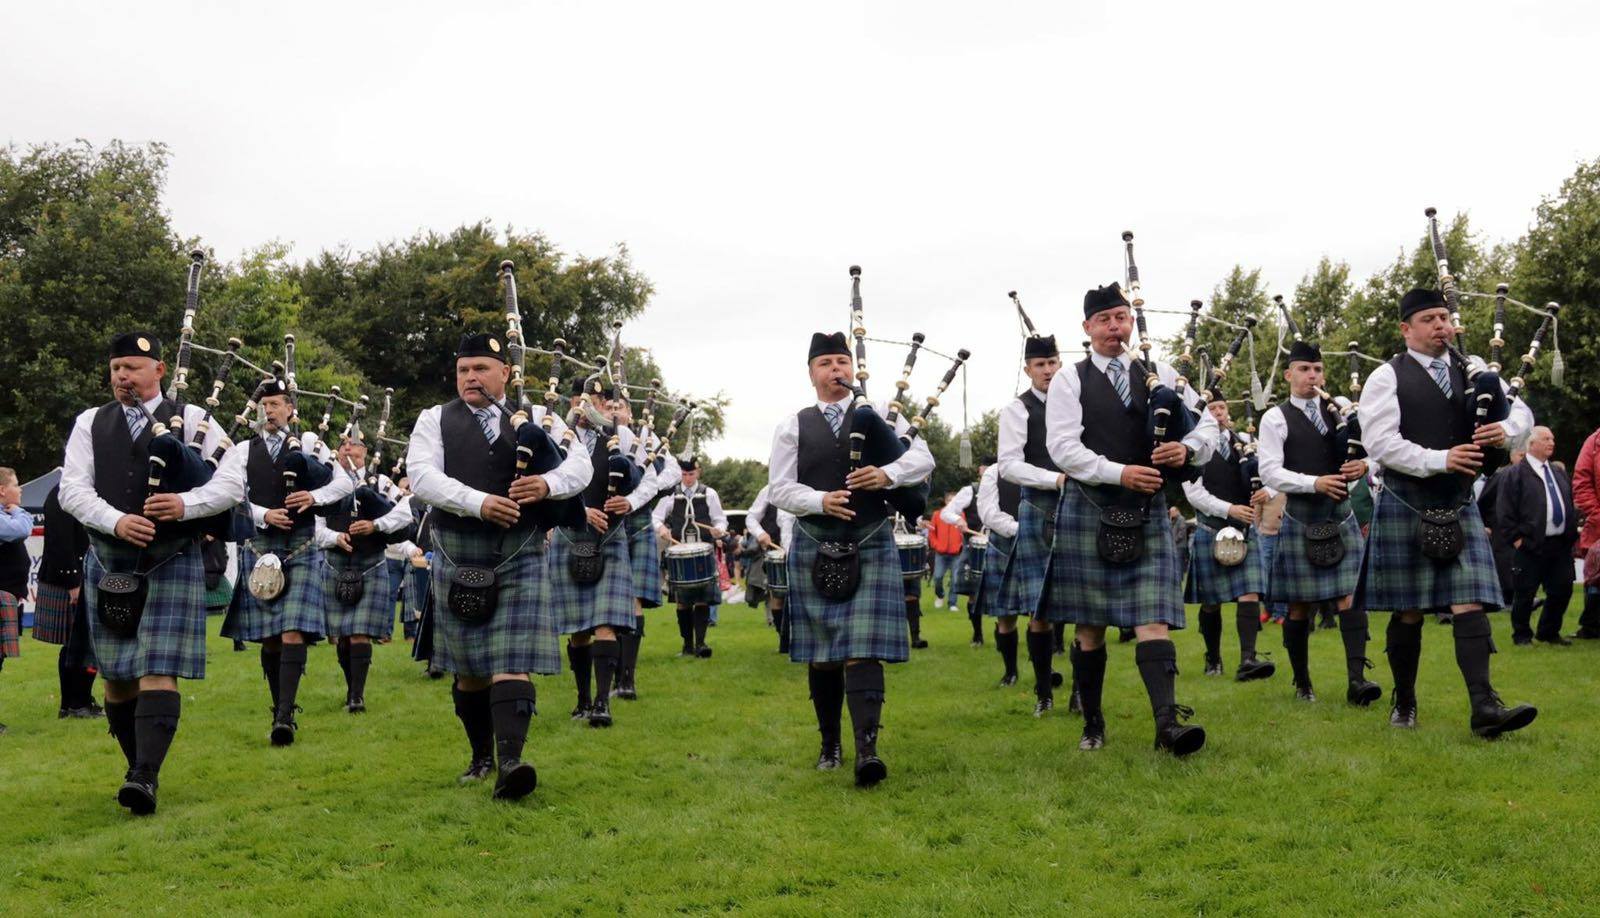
x: 703, y: 797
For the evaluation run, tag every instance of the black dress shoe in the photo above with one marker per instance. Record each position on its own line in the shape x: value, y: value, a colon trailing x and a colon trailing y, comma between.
x: 1214, y: 667
x: 138, y: 794
x: 1043, y: 706
x: 600, y: 713
x: 1586, y: 634
x: 919, y: 644
x: 356, y: 706
x: 870, y: 770
x: 703, y: 652
x: 1008, y: 680
x: 1094, y: 733
x: 581, y: 711
x: 1251, y: 670
x: 283, y: 731
x: 87, y: 712
x: 1490, y: 717
x: 687, y: 651
x: 1403, y: 716
x: 477, y: 771
x: 627, y: 693
x: 831, y: 757
x: 1363, y: 692
x: 516, y: 780
x: 1304, y: 693
x: 1556, y: 640
x: 1176, y: 737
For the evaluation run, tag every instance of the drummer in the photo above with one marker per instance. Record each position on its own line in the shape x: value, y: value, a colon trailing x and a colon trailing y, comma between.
x: 845, y: 634
x: 962, y: 513
x: 773, y: 528
x: 672, y: 521
x: 913, y: 549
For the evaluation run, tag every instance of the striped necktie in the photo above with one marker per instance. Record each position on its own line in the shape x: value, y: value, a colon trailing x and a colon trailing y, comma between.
x: 1119, y: 381
x: 486, y: 421
x: 1222, y: 445
x: 136, y: 421
x: 1441, y: 375
x: 274, y: 445
x: 1315, y: 417
x: 835, y: 416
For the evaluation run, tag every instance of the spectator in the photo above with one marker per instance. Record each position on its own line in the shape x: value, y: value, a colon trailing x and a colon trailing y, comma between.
x: 1534, y: 510
x: 1586, y: 497
x: 944, y: 542
x: 16, y: 524
x: 1504, y: 551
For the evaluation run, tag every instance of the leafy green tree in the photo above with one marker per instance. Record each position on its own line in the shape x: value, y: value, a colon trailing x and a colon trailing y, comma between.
x: 736, y: 480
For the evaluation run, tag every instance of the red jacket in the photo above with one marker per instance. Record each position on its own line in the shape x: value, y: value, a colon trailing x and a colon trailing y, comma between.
x: 1586, y: 492
x: 943, y: 538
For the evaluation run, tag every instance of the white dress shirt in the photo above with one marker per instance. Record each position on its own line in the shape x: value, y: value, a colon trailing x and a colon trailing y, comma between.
x: 784, y: 463
x: 1063, y: 414
x: 758, y: 508
x: 1269, y: 451
x: 713, y: 507
x: 1013, y: 439
x: 998, y: 521
x: 232, y: 474
x: 1203, y: 500
x: 78, y: 496
x: 1537, y: 467
x: 955, y: 512
x: 1380, y: 424
x: 425, y: 463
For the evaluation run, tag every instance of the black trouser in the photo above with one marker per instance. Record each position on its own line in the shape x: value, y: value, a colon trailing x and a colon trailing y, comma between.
x: 1504, y: 560
x: 1548, y: 566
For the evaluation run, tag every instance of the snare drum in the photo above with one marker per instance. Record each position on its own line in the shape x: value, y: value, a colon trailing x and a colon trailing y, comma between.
x: 691, y: 568
x: 913, y: 554
x: 972, y: 564
x: 777, y: 567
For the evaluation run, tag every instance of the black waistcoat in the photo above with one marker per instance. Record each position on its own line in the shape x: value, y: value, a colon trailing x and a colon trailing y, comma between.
x: 121, y: 463
x: 1034, y: 451
x: 264, y: 482
x: 824, y: 461
x: 1427, y: 418
x: 599, y: 487
x: 1304, y: 449
x: 769, y: 523
x: 469, y: 459
x: 1224, y: 478
x: 14, y: 564
x: 1010, y: 496
x: 365, y: 546
x: 65, y: 542
x: 678, y: 516
x: 1110, y: 428
x: 974, y: 521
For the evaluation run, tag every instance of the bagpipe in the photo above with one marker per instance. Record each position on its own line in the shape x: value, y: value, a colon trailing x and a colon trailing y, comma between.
x: 1491, y: 402
x: 874, y: 440
x: 1346, y: 423
x: 1167, y: 417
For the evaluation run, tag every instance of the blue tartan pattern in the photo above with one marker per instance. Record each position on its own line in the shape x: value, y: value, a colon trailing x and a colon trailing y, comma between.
x: 52, y: 613
x: 996, y: 561
x: 10, y: 625
x: 374, y: 614
x: 577, y: 609
x: 644, y: 554
x: 522, y: 636
x: 298, y: 608
x: 1211, y: 583
x: 1029, y: 574
x: 1293, y: 577
x: 1399, y: 578
x: 1086, y: 590
x: 871, y: 625
x: 172, y: 634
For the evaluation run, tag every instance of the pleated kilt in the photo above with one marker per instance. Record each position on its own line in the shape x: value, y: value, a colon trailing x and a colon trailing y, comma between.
x: 298, y: 608
x: 609, y: 601
x: 644, y: 554
x: 1293, y: 577
x: 10, y: 626
x: 871, y: 625
x: 53, y: 610
x: 1400, y: 578
x: 1210, y: 582
x: 1088, y: 591
x: 521, y: 637
x: 374, y: 614
x: 1023, y: 590
x: 991, y: 594
x: 171, y: 640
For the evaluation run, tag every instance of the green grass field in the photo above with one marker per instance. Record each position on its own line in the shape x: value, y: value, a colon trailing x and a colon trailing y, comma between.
x: 703, y: 797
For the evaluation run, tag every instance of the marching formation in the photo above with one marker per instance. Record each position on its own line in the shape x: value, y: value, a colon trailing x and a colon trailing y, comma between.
x: 538, y: 520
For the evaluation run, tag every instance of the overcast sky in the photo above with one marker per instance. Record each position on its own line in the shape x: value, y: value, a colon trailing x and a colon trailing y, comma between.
x: 747, y: 153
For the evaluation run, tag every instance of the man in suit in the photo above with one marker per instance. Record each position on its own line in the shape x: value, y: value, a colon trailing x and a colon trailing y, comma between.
x: 1504, y: 551
x: 1534, y: 510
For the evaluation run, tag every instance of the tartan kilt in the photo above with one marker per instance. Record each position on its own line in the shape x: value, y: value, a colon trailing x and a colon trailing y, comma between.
x: 1210, y: 582
x: 1023, y: 590
x: 1293, y: 577
x: 1269, y: 551
x: 52, y: 614
x: 871, y: 625
x: 996, y: 560
x: 577, y: 609
x: 1088, y: 591
x: 374, y: 614
x: 1399, y: 578
x: 644, y: 554
x: 521, y: 637
x: 298, y: 608
x: 172, y: 634
x: 10, y: 625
